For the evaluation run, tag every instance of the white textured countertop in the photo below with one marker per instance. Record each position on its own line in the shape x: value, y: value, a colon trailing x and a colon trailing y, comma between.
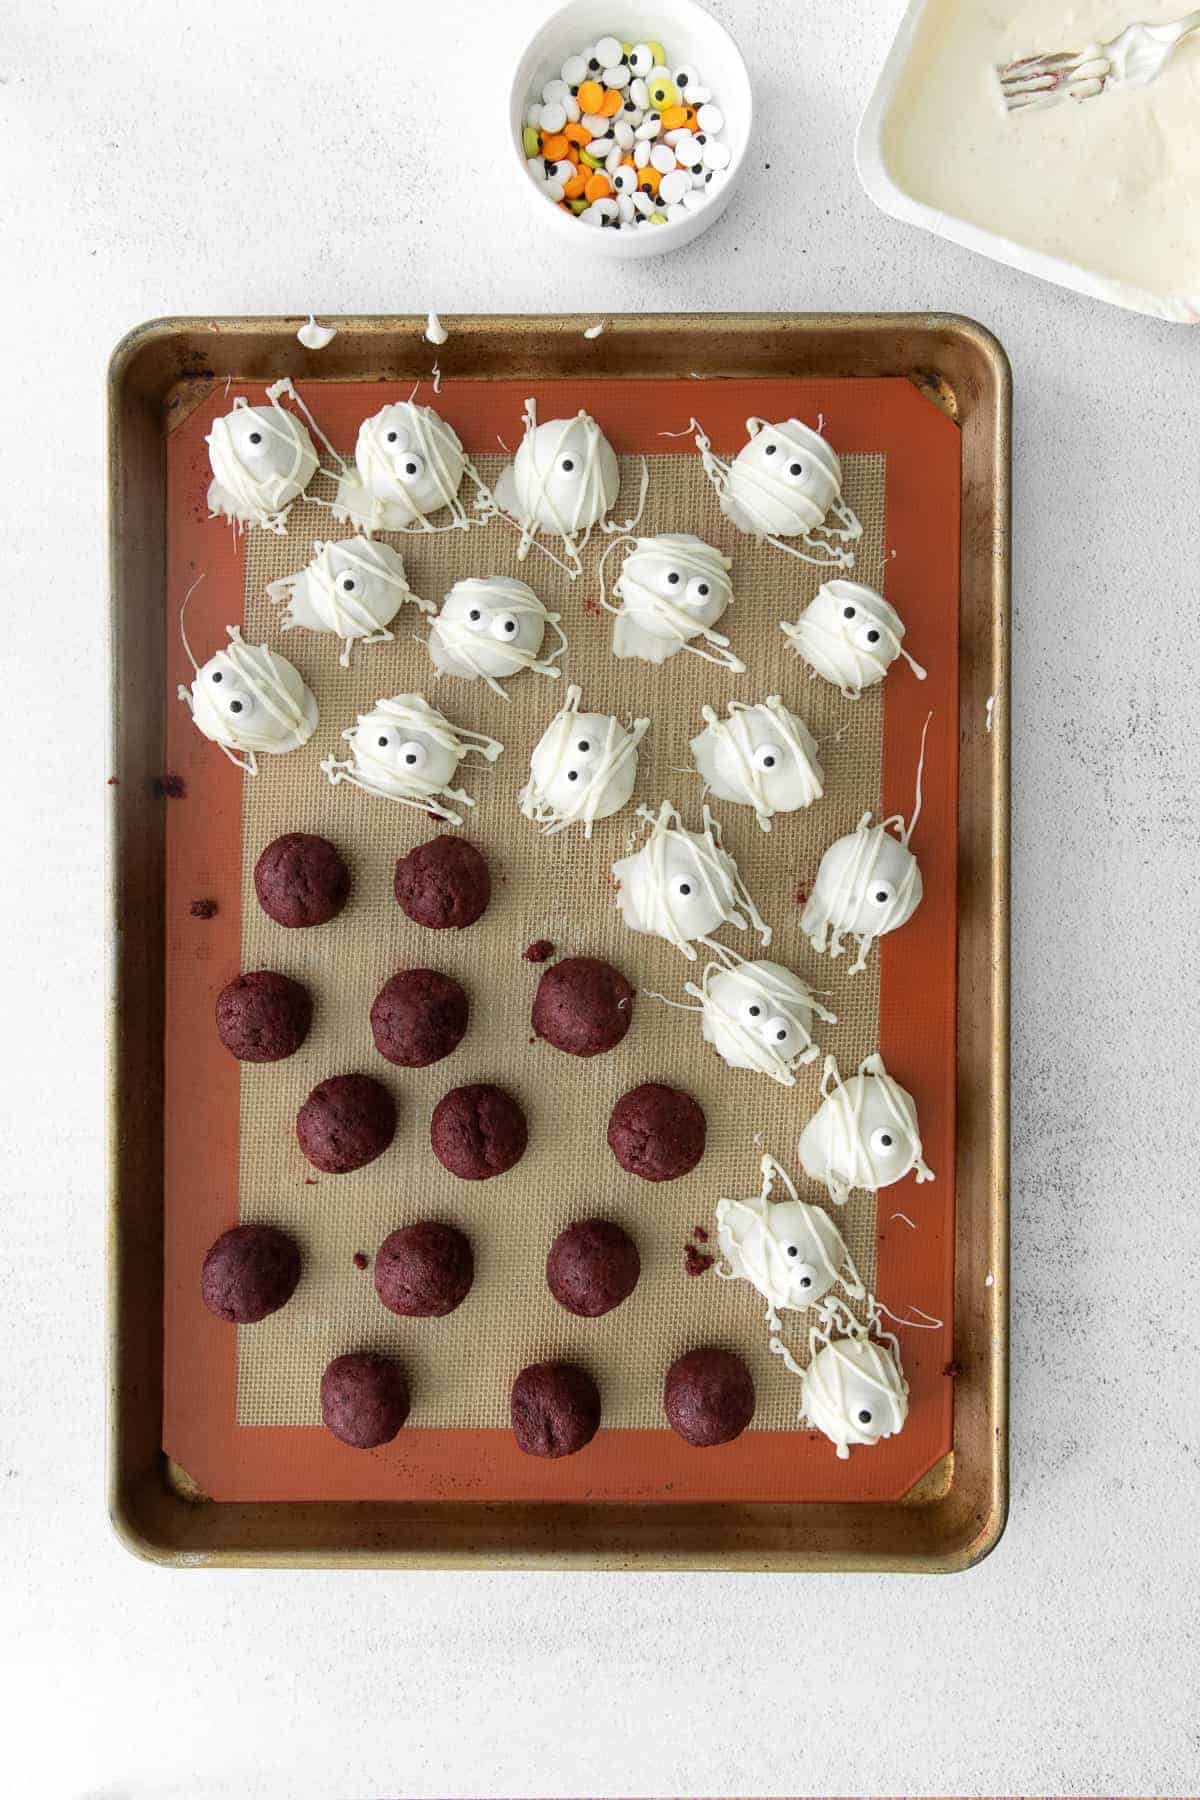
x: 160, y: 159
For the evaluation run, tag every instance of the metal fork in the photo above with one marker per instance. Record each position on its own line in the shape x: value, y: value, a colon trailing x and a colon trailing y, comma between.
x: 1132, y: 59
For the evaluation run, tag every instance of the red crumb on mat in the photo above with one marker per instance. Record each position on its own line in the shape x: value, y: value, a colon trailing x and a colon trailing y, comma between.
x: 952, y: 1369
x: 361, y: 1260
x: 169, y: 787
x: 114, y: 781
x: 540, y: 951
x: 591, y: 606
x: 695, y: 1261
x: 310, y: 1181
x: 203, y: 909
x: 698, y: 1231
x: 801, y: 896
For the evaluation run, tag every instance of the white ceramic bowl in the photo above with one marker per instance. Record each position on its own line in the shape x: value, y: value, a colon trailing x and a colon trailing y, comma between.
x: 689, y: 35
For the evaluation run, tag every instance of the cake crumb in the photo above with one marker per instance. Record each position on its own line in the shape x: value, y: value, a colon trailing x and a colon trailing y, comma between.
x: 203, y: 909
x: 540, y: 951
x: 169, y: 787
x: 360, y: 1259
x: 801, y: 896
x: 698, y: 1231
x: 591, y: 606
x: 696, y: 1262
x: 114, y: 781
x: 952, y: 1369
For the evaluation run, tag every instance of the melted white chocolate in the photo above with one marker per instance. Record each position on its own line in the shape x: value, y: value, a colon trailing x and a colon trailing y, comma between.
x: 761, y: 756
x: 682, y: 884
x: 491, y: 628
x: 789, y: 1250
x: 864, y: 1134
x: 785, y: 483
x: 353, y: 588
x: 406, y: 751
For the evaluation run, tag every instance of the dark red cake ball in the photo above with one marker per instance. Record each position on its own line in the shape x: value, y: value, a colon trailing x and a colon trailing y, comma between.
x: 301, y: 880
x: 444, y: 883
x: 346, y: 1121
x: 424, y: 1271
x: 364, y: 1399
x: 708, y: 1397
x: 249, y: 1273
x: 582, y: 1006
x: 478, y: 1131
x: 262, y: 1016
x: 657, y: 1132
x: 593, y: 1265
x: 418, y: 1017
x: 555, y: 1409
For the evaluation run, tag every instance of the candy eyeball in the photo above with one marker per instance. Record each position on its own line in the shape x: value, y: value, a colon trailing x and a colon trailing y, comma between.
x: 641, y: 61
x: 758, y: 1015
x: 783, y: 482
x: 565, y: 475
x: 850, y: 635
x: 409, y: 463
x: 247, y: 698
x: 402, y: 751
x: 854, y: 1393
x: 262, y: 459
x: 868, y: 883
x: 583, y: 767
x: 490, y: 627
x: 864, y: 1134
x: 762, y: 756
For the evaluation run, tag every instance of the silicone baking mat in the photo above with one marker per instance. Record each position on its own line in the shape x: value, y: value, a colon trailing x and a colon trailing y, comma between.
x: 241, y: 1407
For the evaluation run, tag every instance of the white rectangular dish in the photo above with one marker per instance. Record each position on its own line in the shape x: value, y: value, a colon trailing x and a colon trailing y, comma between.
x: 1138, y: 189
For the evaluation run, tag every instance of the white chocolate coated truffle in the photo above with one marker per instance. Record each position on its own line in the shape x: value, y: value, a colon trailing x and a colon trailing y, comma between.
x: 672, y: 588
x: 262, y: 459
x: 492, y: 628
x: 682, y: 884
x: 563, y: 479
x: 582, y: 768
x: 761, y: 756
x: 353, y: 588
x: 405, y: 750
x: 864, y: 1134
x: 850, y: 635
x: 783, y: 482
x: 409, y: 463
x: 250, y: 700
x: 854, y: 1392
x: 868, y: 883
x: 789, y: 1250
x: 758, y: 1016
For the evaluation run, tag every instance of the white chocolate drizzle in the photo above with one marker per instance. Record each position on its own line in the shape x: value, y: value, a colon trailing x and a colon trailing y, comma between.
x: 645, y: 883
x: 464, y: 646
x: 318, y: 593
x: 845, y: 1148
x: 746, y: 492
x: 734, y: 735
x: 843, y: 653
x: 697, y: 561
x: 786, y: 1250
x: 245, y: 498
x: 314, y: 336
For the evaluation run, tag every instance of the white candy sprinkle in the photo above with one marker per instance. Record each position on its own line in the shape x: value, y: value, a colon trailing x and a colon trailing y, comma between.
x: 673, y: 137
x: 553, y: 190
x: 600, y: 147
x: 608, y: 51
x: 699, y: 178
x: 624, y: 179
x: 688, y: 152
x: 710, y: 119
x: 623, y: 134
x: 561, y: 171
x: 612, y: 161
x: 638, y: 92
x: 595, y: 124
x: 591, y: 216
x: 554, y: 90
x: 716, y: 156
x: 695, y: 198
x: 641, y: 61
x: 674, y: 186
x: 607, y: 208
x: 626, y: 206
x: 663, y: 158
x: 676, y: 210
x: 571, y: 107
x: 641, y: 155
x: 574, y: 70
x: 634, y: 118
x: 554, y: 116
x: 534, y: 165
x: 649, y: 127
x: 644, y: 203
x: 533, y: 116
x: 617, y: 77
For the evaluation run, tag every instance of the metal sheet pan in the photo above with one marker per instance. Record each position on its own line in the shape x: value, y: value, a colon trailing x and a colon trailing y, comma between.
x: 957, y: 1513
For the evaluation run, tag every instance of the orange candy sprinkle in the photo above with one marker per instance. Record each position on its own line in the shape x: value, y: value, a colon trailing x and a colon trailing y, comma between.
x: 598, y: 187
x: 590, y: 98
x: 648, y: 179
x: 674, y: 118
x: 611, y: 104
x: 554, y: 145
x: 577, y: 134
x: 577, y: 185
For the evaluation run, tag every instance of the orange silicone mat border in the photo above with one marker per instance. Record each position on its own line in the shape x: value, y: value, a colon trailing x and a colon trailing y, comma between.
x: 917, y: 978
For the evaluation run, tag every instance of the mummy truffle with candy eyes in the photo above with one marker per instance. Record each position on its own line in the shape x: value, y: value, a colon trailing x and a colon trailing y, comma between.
x: 682, y: 884
x: 761, y: 756
x: 353, y: 588
x: 786, y: 483
x: 262, y: 459
x: 868, y: 883
x: 582, y: 769
x: 408, y: 464
x: 790, y: 1251
x: 849, y: 634
x: 672, y: 588
x: 405, y: 750
x: 758, y: 1015
x: 563, y: 479
x: 250, y: 700
x: 864, y: 1134
x: 854, y: 1390
x: 491, y: 629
